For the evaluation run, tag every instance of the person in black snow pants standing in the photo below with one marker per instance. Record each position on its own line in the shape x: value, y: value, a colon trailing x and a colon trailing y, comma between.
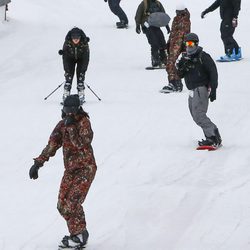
x: 201, y: 78
x: 229, y: 10
x: 75, y: 54
x: 115, y: 7
x: 154, y: 35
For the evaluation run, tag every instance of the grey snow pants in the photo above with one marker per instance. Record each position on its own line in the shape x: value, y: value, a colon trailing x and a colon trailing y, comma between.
x: 198, y: 106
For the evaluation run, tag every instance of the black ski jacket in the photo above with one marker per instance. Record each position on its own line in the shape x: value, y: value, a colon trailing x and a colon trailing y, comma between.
x: 229, y: 9
x: 75, y: 51
x: 198, y: 70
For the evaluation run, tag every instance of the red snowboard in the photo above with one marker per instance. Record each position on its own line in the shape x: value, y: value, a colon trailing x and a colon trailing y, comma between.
x: 209, y: 148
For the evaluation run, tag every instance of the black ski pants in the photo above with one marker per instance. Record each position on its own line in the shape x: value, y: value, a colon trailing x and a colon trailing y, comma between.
x: 227, y: 31
x: 115, y: 7
x: 156, y: 40
x: 70, y: 65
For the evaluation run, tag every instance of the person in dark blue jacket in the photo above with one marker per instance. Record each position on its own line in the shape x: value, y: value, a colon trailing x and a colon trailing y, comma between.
x: 115, y: 7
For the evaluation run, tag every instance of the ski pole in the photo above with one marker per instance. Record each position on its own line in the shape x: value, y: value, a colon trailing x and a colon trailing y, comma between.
x: 93, y: 92
x: 54, y: 91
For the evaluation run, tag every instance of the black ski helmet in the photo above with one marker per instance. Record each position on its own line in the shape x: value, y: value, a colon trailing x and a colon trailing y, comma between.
x: 192, y: 37
x: 71, y: 104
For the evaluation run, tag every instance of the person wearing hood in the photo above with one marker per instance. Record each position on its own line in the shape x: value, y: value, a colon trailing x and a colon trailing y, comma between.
x: 75, y: 55
x: 74, y: 134
x: 201, y: 77
x: 154, y: 34
x: 175, y: 45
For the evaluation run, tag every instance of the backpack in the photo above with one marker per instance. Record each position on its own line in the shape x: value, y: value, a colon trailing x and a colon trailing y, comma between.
x: 158, y: 19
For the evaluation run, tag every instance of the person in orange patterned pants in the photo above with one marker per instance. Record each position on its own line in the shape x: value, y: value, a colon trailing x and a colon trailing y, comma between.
x: 75, y: 135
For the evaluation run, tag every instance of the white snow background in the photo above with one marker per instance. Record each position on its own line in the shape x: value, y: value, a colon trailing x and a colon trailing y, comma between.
x: 153, y: 190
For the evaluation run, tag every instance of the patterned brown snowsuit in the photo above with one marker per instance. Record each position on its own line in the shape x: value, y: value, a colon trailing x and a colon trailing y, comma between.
x: 80, y: 168
x: 180, y: 27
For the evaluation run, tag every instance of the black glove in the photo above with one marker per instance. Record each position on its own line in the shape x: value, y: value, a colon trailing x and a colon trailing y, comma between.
x: 34, y: 170
x: 203, y: 13
x: 212, y: 95
x: 144, y: 29
x: 168, y: 29
x: 138, y: 29
x: 105, y: 1
x: 60, y: 52
x: 183, y: 64
x: 234, y: 22
x: 69, y: 120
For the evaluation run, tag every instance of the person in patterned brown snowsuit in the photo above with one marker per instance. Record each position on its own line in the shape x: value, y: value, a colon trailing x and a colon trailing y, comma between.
x: 74, y: 134
x: 175, y: 45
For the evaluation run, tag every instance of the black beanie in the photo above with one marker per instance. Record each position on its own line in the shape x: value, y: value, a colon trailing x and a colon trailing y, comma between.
x: 192, y: 37
x: 72, y: 101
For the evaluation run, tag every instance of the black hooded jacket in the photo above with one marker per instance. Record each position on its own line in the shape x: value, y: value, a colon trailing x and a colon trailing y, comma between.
x: 76, y: 51
x: 198, y: 70
x: 229, y: 9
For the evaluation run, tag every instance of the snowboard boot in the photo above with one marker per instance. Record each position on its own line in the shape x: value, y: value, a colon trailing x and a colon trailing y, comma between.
x: 170, y: 88
x: 75, y: 241
x: 67, y: 88
x: 80, y: 89
x: 163, y: 57
x: 179, y: 85
x: 155, y: 59
x: 209, y: 141
x: 238, y: 55
x: 218, y: 137
x: 121, y: 25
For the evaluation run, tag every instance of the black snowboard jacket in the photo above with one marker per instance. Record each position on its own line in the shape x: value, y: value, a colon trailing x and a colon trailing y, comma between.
x: 198, y: 70
x: 229, y: 9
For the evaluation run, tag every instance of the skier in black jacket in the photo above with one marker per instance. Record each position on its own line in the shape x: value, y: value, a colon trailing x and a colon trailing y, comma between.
x: 229, y: 10
x: 75, y: 53
x: 201, y: 78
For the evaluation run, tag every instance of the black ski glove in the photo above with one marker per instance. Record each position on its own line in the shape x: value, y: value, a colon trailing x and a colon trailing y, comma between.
x: 168, y: 29
x: 69, y: 120
x: 234, y: 22
x: 212, y: 95
x: 105, y: 1
x: 203, y: 13
x: 183, y: 64
x: 138, y: 29
x: 60, y: 52
x: 34, y: 170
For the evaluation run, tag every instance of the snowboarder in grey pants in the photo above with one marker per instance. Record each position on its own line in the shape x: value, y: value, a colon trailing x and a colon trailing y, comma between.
x: 201, y: 78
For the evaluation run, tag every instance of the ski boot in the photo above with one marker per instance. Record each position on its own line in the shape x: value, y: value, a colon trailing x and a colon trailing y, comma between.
x: 75, y: 241
x: 80, y: 88
x: 67, y: 87
x: 121, y: 25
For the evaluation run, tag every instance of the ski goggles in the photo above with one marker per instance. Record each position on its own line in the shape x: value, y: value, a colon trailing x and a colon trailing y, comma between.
x: 190, y: 43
